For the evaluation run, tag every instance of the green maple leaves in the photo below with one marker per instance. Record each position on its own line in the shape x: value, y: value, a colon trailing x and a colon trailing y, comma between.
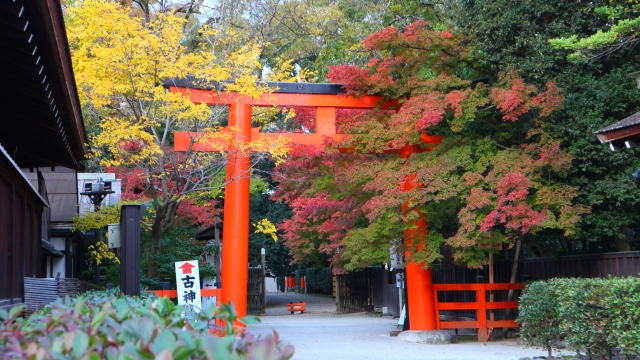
x: 495, y: 169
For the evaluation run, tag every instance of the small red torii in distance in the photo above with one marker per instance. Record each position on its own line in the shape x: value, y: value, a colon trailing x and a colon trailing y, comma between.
x: 325, y: 98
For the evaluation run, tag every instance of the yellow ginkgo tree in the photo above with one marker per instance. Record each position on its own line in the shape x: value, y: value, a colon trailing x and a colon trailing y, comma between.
x: 121, y: 62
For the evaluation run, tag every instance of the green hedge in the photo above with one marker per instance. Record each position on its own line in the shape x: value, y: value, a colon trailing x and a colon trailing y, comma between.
x: 319, y: 280
x: 599, y: 316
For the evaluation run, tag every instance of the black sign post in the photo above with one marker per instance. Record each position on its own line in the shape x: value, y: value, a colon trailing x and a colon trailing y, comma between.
x: 130, y: 217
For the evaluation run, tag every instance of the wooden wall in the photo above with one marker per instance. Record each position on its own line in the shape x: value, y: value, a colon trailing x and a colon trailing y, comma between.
x: 385, y: 292
x: 20, y: 233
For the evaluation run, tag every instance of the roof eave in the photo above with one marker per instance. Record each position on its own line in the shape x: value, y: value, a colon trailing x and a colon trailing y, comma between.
x: 52, y: 29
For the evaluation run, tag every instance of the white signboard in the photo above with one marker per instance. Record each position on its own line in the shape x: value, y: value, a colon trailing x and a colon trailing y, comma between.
x: 188, y: 282
x: 397, y: 260
x: 114, y: 235
x: 208, y: 300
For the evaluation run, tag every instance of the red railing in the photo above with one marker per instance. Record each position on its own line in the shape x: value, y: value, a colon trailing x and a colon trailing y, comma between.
x: 481, y: 305
x: 172, y: 294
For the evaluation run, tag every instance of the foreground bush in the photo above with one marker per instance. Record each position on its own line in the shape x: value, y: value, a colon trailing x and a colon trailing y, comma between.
x: 600, y: 316
x: 102, y: 326
x: 538, y: 315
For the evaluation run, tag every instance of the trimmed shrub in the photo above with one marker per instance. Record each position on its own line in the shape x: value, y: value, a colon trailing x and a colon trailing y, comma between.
x: 104, y: 326
x: 623, y: 305
x: 582, y: 314
x: 319, y: 280
x: 538, y: 315
x: 600, y: 316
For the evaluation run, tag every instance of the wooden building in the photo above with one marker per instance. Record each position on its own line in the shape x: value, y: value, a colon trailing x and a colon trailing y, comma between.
x: 624, y: 133
x: 40, y: 127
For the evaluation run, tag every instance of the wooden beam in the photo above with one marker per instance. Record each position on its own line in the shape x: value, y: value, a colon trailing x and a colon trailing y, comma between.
x: 459, y: 306
x: 502, y: 324
x: 459, y: 324
x: 619, y: 134
x: 213, y: 98
x: 502, y: 305
x: 504, y: 286
x: 219, y: 141
x: 459, y: 287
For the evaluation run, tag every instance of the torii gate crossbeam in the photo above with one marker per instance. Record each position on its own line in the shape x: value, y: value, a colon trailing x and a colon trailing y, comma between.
x: 325, y: 98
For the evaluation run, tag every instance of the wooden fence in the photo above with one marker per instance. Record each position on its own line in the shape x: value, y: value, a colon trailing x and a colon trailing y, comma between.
x: 355, y: 291
x: 581, y: 266
x: 256, y: 294
x: 384, y: 292
x: 39, y: 292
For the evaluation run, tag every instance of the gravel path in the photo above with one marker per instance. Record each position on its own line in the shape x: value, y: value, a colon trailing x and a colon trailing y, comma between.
x: 321, y: 333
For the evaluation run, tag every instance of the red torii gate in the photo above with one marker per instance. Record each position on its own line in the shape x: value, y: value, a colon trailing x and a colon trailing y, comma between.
x: 325, y: 98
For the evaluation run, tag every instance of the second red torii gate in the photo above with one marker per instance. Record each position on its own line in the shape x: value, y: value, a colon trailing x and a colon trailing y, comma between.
x: 326, y: 98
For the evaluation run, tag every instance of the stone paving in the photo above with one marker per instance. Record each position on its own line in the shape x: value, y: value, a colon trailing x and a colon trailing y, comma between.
x: 321, y: 333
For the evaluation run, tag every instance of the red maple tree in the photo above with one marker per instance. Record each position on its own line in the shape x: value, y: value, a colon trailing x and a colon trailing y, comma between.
x: 496, y: 175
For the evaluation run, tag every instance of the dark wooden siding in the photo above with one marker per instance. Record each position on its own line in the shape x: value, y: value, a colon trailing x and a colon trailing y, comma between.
x: 20, y: 233
x: 592, y: 265
x: 6, y: 242
x: 586, y: 266
x: 385, y: 292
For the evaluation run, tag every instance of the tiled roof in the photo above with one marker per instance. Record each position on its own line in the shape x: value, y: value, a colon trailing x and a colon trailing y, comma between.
x: 624, y: 123
x: 46, y: 245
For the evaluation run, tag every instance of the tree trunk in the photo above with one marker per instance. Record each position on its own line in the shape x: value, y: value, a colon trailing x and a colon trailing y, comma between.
x: 514, y: 267
x: 530, y: 251
x: 156, y: 238
x: 621, y: 239
x: 585, y: 246
x: 566, y: 247
x: 514, y: 272
x: 165, y: 216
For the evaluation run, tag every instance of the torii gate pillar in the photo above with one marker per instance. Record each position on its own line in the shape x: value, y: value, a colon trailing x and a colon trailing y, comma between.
x: 420, y: 294
x: 235, y: 232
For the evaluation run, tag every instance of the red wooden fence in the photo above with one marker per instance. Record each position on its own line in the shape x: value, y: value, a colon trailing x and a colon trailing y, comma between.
x: 481, y: 305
